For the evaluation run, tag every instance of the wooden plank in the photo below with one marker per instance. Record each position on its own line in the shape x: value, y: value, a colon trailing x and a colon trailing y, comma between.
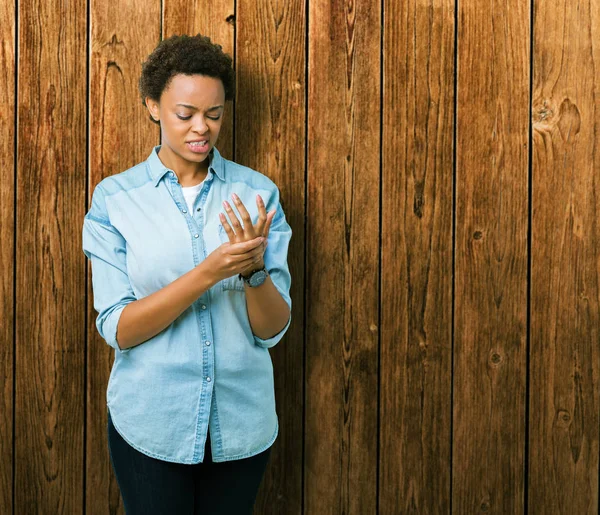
x: 50, y: 268
x: 416, y: 253
x: 565, y: 261
x: 121, y: 135
x: 269, y: 137
x: 342, y: 258
x: 7, y: 232
x: 491, y: 258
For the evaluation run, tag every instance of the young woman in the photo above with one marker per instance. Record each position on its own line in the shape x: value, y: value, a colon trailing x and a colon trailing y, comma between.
x: 190, y: 297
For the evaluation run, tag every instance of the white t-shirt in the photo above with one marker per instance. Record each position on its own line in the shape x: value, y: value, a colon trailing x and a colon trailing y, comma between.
x: 190, y: 193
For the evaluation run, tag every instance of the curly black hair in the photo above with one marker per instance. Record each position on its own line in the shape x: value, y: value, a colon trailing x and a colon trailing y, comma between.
x: 188, y: 55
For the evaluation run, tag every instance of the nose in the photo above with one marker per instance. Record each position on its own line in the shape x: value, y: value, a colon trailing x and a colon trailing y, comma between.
x: 201, y: 126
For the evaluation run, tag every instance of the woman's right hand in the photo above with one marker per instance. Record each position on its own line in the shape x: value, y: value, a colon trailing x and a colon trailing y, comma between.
x: 232, y: 258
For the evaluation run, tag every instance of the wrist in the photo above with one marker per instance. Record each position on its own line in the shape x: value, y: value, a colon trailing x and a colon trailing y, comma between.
x: 205, y: 276
x: 256, y: 278
x: 258, y: 266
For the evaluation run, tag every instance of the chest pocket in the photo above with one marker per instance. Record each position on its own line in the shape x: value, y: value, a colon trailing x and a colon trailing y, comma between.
x: 233, y: 282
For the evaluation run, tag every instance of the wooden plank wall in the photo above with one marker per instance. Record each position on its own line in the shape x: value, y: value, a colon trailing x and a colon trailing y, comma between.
x: 439, y: 166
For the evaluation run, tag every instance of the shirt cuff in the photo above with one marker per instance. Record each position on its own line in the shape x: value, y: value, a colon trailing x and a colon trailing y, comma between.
x: 109, y: 331
x: 271, y: 342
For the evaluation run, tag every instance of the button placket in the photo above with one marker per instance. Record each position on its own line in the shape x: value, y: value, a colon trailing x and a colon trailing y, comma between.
x: 204, y: 316
x: 194, y: 220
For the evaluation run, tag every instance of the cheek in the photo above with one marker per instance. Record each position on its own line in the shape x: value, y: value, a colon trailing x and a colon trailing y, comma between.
x: 216, y: 128
x: 176, y: 127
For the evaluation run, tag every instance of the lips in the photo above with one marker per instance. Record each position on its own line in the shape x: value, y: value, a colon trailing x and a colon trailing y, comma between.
x: 197, y: 147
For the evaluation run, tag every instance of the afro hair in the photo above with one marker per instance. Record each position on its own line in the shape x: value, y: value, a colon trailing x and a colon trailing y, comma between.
x: 188, y: 55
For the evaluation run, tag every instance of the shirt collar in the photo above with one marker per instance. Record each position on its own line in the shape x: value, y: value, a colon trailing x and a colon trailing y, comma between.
x: 158, y: 169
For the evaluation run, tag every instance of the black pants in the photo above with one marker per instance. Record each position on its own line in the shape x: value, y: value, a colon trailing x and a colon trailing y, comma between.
x: 150, y: 486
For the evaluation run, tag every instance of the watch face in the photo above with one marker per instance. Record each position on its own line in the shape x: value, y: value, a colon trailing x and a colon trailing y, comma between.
x: 258, y: 278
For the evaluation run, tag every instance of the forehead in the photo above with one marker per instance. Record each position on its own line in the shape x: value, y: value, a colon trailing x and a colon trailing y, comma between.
x: 197, y: 90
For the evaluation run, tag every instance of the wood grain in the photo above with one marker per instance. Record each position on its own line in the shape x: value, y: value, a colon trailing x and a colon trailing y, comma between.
x: 7, y: 234
x: 491, y: 258
x: 342, y: 256
x: 269, y: 137
x: 445, y: 273
x: 416, y: 259
x: 50, y: 270
x: 565, y: 259
x: 121, y: 135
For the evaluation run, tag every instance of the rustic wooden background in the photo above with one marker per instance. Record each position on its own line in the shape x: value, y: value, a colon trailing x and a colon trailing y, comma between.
x: 439, y: 165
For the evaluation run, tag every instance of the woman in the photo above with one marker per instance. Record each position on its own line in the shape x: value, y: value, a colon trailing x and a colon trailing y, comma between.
x: 190, y: 298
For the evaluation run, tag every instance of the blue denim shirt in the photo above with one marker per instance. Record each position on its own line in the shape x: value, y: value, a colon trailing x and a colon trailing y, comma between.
x: 206, y: 370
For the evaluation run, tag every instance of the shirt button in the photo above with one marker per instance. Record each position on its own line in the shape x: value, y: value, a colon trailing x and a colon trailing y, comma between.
x: 208, y: 379
x: 207, y: 342
x: 198, y: 209
x: 203, y: 306
x: 195, y: 235
x: 183, y: 211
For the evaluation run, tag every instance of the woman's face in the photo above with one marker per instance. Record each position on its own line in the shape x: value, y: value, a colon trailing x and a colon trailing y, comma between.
x: 190, y: 109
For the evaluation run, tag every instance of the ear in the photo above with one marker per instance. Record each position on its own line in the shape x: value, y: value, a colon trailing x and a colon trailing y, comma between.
x: 153, y: 108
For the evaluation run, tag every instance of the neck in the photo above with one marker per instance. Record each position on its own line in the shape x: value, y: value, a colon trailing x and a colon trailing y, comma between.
x: 189, y: 173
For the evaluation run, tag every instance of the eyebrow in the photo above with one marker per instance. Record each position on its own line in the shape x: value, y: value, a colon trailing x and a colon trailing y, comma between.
x: 194, y: 107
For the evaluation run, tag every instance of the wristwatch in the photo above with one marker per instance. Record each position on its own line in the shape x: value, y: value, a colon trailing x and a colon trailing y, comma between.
x: 256, y: 277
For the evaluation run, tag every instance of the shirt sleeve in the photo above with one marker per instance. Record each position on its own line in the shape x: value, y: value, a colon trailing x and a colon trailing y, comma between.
x: 275, y: 259
x: 106, y: 248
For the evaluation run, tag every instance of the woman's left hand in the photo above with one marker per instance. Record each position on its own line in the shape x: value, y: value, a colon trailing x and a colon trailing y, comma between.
x: 248, y: 231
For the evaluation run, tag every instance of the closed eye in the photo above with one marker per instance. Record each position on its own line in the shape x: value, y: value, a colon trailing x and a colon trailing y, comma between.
x: 188, y: 117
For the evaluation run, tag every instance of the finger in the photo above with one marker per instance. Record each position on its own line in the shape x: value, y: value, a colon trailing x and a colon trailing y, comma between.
x: 227, y: 227
x: 248, y: 227
x: 253, y: 264
x: 259, y: 251
x: 245, y: 246
x: 239, y: 231
x: 246, y: 264
x: 268, y: 225
x: 262, y: 215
